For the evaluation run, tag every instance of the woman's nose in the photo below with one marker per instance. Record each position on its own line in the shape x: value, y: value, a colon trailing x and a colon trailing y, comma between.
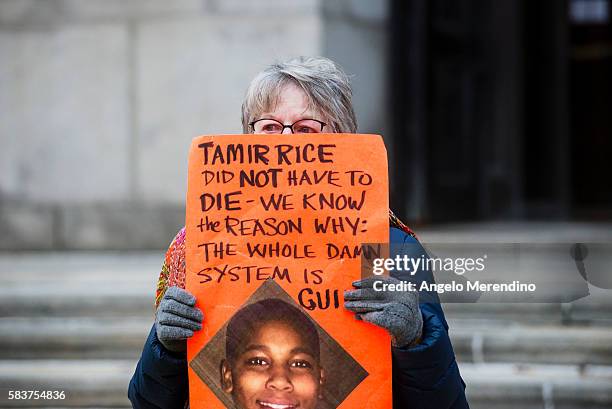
x: 279, y: 380
x: 287, y: 130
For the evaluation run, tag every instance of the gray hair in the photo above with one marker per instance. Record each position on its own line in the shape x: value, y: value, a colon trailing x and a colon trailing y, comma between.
x: 326, y: 86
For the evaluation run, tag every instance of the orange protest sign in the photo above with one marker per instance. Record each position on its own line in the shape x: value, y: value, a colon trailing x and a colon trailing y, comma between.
x: 274, y: 228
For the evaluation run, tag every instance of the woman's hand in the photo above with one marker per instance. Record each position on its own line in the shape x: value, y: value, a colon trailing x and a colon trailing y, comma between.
x: 176, y: 319
x: 396, y: 311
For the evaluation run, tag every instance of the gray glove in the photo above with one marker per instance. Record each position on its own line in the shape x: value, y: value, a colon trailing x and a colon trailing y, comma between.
x: 396, y: 311
x: 176, y: 319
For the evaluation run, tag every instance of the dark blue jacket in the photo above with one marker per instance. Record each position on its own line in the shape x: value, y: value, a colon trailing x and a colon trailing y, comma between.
x: 424, y: 376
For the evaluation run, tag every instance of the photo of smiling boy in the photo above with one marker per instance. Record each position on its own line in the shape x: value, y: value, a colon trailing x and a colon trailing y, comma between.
x: 272, y: 358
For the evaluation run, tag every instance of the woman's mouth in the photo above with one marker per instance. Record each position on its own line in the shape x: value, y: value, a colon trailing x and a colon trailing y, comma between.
x: 276, y: 405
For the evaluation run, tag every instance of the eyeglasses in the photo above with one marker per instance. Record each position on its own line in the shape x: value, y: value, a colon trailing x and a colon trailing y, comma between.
x: 272, y: 126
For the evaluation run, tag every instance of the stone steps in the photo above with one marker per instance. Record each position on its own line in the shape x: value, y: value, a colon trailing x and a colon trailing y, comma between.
x: 112, y: 338
x: 115, y: 284
x: 72, y: 338
x: 82, y: 303
x: 504, y: 386
x: 103, y: 383
x: 594, y: 310
x: 105, y: 284
x: 493, y: 343
x: 98, y: 301
x: 78, y: 321
x: 86, y: 383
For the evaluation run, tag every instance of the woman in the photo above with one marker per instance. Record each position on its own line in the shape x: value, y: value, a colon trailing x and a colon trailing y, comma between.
x: 308, y: 95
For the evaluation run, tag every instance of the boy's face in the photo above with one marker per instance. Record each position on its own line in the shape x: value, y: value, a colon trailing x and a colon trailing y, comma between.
x: 276, y: 370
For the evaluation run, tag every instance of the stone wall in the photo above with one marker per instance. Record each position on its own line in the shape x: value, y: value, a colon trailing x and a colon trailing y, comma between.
x: 355, y: 34
x: 99, y: 100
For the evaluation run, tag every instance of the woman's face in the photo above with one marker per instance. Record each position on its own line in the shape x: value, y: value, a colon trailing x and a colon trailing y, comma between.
x: 276, y: 370
x: 291, y: 107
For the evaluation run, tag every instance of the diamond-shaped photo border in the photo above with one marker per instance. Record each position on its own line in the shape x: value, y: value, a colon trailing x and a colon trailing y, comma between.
x: 343, y: 372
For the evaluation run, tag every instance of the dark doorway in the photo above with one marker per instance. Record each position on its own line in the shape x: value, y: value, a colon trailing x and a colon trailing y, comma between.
x: 545, y: 155
x: 501, y: 110
x: 591, y: 108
